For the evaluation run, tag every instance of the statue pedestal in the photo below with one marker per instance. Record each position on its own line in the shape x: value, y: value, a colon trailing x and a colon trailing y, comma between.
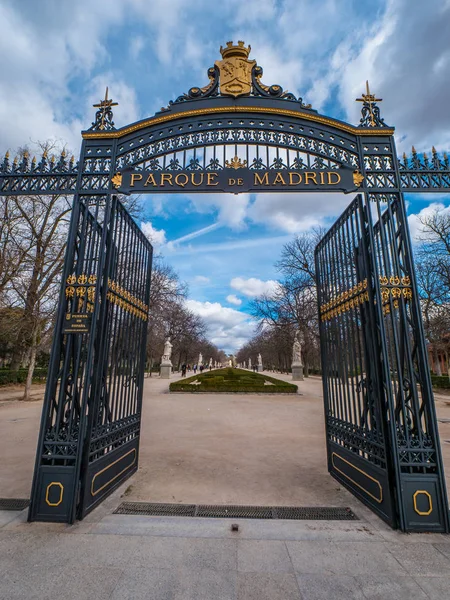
x: 297, y: 372
x: 260, y: 368
x: 165, y: 369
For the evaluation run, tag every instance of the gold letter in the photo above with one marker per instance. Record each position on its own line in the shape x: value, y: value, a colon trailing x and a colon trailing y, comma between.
x: 291, y: 181
x: 322, y: 180
x: 262, y: 180
x: 134, y: 176
x: 210, y: 179
x: 193, y: 179
x: 232, y: 182
x: 182, y: 183
x: 312, y: 176
x: 240, y: 181
x: 150, y: 179
x: 166, y: 177
x: 279, y: 179
x: 337, y: 180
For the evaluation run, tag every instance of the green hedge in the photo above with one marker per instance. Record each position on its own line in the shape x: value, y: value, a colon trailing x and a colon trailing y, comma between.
x: 440, y: 382
x: 232, y: 380
x: 8, y: 377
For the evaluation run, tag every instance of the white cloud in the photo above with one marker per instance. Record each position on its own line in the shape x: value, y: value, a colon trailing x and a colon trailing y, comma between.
x: 201, y: 279
x: 156, y: 236
x: 233, y: 299
x: 294, y: 213
x: 253, y: 287
x: 228, y: 328
x: 415, y: 226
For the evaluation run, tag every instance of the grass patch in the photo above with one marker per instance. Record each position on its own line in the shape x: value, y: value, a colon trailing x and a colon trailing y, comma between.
x: 233, y: 380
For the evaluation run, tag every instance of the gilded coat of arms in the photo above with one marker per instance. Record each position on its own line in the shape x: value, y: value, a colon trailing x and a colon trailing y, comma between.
x: 235, y: 70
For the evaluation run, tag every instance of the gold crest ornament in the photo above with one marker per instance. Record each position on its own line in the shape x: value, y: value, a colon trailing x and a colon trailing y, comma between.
x: 235, y: 70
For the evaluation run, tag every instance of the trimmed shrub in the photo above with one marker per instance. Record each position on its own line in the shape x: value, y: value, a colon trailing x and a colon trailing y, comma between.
x: 440, y: 381
x: 232, y: 380
x: 8, y: 377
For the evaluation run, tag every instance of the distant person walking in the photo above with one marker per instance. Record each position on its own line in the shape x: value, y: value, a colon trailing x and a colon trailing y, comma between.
x: 195, y: 369
x: 183, y: 370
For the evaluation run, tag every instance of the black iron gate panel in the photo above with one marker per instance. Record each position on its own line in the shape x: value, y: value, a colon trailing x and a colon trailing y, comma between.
x: 112, y: 444
x: 382, y: 437
x: 358, y: 453
x: 416, y: 451
x: 79, y: 405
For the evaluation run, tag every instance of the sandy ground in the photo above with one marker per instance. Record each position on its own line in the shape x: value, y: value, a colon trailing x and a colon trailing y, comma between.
x: 223, y: 448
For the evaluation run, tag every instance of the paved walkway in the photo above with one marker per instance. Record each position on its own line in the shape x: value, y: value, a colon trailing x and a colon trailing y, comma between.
x: 136, y: 557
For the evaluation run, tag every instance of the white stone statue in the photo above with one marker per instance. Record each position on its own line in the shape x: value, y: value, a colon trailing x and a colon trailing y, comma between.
x: 259, y: 359
x: 166, y: 363
x: 244, y: 365
x: 297, y: 363
x: 230, y: 363
x: 210, y: 362
x: 297, y: 349
x: 200, y: 359
x: 249, y: 363
x: 167, y: 353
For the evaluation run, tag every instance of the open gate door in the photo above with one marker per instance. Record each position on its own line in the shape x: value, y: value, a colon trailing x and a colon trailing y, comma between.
x: 382, y: 439
x: 89, y: 436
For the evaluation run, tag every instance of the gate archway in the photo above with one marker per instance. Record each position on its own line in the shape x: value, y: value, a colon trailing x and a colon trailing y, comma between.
x: 237, y: 134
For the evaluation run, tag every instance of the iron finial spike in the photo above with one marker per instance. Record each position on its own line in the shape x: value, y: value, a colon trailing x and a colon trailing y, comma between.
x: 425, y: 156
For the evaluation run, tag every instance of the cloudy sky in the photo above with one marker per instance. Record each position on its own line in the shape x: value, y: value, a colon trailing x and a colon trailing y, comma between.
x: 58, y: 57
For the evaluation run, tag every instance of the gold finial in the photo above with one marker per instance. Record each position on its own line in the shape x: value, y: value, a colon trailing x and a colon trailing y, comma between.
x: 104, y: 105
x: 106, y: 102
x: 7, y: 155
x: 235, y: 163
x: 52, y: 160
x: 413, y: 150
x: 425, y: 157
x: 15, y: 161
x: 433, y: 149
x: 369, y: 99
x: 45, y: 153
x: 26, y: 155
x: 34, y: 160
x: 117, y: 180
x: 72, y: 158
x: 240, y: 50
x: 404, y: 156
x: 358, y: 178
x: 63, y: 153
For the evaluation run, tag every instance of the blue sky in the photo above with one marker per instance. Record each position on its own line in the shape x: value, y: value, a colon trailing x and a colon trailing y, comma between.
x: 58, y: 57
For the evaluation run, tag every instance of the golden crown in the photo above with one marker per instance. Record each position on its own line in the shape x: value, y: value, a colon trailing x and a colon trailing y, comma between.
x: 239, y: 50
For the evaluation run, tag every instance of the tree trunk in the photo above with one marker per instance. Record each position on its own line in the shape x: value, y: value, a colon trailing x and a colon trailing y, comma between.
x: 437, y: 364
x: 29, y: 381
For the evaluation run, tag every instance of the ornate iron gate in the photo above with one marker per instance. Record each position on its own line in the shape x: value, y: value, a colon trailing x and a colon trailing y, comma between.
x: 382, y: 437
x: 89, y: 436
x: 238, y: 135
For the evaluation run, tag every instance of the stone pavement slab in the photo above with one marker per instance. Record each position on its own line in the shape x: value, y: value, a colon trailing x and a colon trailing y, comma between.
x: 268, y: 586
x: 263, y: 556
x: 326, y: 587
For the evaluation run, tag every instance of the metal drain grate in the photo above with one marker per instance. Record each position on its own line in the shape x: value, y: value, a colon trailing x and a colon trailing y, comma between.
x: 235, y: 512
x: 14, y: 503
x: 314, y: 513
x: 299, y: 513
x: 163, y: 510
